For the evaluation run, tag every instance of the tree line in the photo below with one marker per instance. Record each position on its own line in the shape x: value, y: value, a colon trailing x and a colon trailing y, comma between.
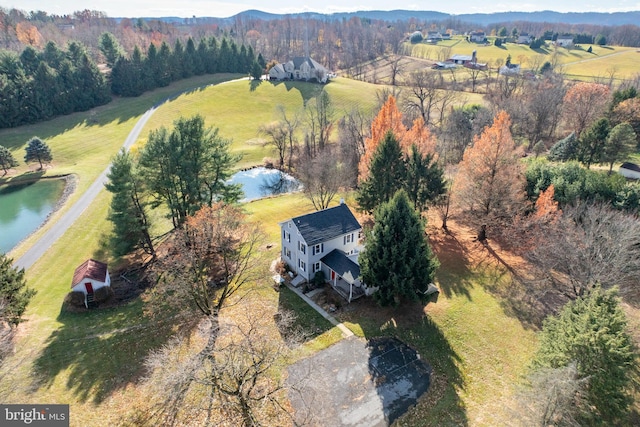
x: 40, y: 85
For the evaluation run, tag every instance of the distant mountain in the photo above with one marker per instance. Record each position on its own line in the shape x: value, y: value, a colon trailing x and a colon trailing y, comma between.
x: 481, y: 19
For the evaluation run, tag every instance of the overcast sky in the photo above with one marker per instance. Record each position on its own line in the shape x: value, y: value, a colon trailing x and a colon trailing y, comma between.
x: 188, y: 8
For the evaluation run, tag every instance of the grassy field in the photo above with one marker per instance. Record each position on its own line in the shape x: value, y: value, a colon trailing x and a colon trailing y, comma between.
x: 575, y: 62
x: 238, y: 109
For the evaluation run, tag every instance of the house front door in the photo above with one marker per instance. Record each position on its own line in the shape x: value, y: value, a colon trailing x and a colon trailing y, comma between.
x: 89, y: 287
x: 333, y: 275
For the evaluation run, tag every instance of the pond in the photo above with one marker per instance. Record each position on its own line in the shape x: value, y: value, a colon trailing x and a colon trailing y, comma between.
x: 261, y: 182
x: 23, y: 208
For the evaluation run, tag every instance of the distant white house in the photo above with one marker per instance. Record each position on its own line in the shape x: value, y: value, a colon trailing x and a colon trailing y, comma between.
x: 477, y: 36
x: 434, y: 36
x: 299, y: 68
x: 90, y: 276
x: 564, y: 41
x: 325, y: 241
x: 629, y: 170
x: 509, y: 70
x: 525, y: 38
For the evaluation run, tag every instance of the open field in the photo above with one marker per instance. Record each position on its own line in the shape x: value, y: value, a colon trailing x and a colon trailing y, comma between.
x: 575, y: 62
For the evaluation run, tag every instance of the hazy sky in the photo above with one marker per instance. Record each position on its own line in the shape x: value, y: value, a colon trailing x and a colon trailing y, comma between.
x: 187, y: 8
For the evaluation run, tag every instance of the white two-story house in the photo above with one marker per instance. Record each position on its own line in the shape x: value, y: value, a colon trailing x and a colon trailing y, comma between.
x: 325, y: 241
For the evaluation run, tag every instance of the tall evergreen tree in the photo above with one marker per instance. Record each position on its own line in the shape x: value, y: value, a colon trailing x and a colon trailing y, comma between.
x: 591, y: 144
x: 387, y: 174
x: 110, y: 48
x: 424, y: 180
x: 188, y: 167
x: 7, y: 160
x: 128, y: 208
x: 397, y: 258
x: 38, y: 150
x: 592, y: 333
x: 14, y: 293
x: 620, y: 144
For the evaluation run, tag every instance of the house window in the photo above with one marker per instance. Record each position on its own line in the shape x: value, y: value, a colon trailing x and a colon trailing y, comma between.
x: 289, y: 224
x: 302, y: 265
x: 287, y: 252
x: 316, y: 267
x: 303, y: 247
x: 317, y: 249
x: 348, y: 238
x: 287, y: 236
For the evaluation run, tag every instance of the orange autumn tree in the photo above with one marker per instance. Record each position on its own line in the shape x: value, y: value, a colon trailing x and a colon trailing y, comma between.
x: 489, y: 185
x: 420, y: 136
x: 546, y: 207
x: 388, y: 119
x: 583, y: 104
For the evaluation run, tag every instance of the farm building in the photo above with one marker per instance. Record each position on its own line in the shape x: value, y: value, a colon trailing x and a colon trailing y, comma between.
x: 90, y: 276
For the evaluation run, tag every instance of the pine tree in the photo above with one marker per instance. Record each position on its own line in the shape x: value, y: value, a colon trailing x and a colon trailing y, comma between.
x: 38, y: 150
x: 14, y: 293
x: 7, y: 160
x: 424, y: 181
x: 565, y: 149
x: 386, y: 176
x: 397, y: 258
x: 128, y: 208
x: 620, y: 144
x: 592, y: 142
x: 592, y: 333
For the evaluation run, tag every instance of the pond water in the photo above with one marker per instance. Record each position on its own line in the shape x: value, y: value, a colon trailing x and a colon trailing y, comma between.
x: 23, y: 208
x: 261, y: 182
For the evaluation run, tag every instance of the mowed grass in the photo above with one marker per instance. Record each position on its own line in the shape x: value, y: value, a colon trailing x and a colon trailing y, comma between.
x: 623, y: 65
x: 239, y: 108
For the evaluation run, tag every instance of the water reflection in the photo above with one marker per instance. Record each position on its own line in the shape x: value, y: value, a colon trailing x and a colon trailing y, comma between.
x: 261, y: 182
x: 24, y: 207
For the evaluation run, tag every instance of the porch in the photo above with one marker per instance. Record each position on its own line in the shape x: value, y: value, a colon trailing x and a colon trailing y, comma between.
x: 347, y: 290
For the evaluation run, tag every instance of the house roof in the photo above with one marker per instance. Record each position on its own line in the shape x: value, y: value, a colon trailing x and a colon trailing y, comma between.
x: 462, y: 58
x: 630, y: 166
x: 342, y: 265
x: 299, y: 60
x: 90, y: 269
x: 327, y: 224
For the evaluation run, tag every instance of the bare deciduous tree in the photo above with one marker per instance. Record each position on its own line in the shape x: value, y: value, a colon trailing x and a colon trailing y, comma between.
x: 320, y: 120
x: 277, y: 133
x: 555, y: 396
x: 592, y: 243
x: 321, y: 177
x: 236, y: 383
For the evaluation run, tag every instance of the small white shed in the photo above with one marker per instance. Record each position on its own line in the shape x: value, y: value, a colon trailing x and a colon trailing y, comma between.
x: 89, y: 276
x: 630, y: 170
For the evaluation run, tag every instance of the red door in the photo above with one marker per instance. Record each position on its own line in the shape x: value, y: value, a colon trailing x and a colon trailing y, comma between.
x: 333, y: 275
x: 89, y: 287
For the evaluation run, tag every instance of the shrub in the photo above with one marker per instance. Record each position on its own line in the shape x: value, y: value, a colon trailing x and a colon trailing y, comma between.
x: 75, y: 299
x: 318, y: 279
x: 103, y: 294
x: 416, y: 37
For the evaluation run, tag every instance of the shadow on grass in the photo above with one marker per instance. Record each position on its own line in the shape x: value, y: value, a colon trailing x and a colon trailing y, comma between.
x: 119, y: 110
x: 454, y: 275
x: 308, y: 90
x: 441, y: 405
x: 100, y: 351
x: 308, y: 322
x: 541, y: 50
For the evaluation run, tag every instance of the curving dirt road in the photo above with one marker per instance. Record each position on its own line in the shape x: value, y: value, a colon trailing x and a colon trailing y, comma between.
x: 62, y: 225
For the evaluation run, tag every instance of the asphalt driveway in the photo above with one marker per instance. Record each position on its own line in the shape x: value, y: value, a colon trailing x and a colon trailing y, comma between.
x: 357, y: 383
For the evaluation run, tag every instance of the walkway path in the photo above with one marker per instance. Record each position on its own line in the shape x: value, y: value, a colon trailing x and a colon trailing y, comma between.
x: 346, y: 332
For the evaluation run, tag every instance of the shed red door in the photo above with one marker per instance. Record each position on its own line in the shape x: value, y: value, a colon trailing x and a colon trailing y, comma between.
x: 89, y: 287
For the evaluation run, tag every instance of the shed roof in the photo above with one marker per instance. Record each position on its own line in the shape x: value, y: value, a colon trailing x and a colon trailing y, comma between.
x: 630, y: 166
x: 90, y: 269
x: 327, y: 224
x: 342, y: 265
